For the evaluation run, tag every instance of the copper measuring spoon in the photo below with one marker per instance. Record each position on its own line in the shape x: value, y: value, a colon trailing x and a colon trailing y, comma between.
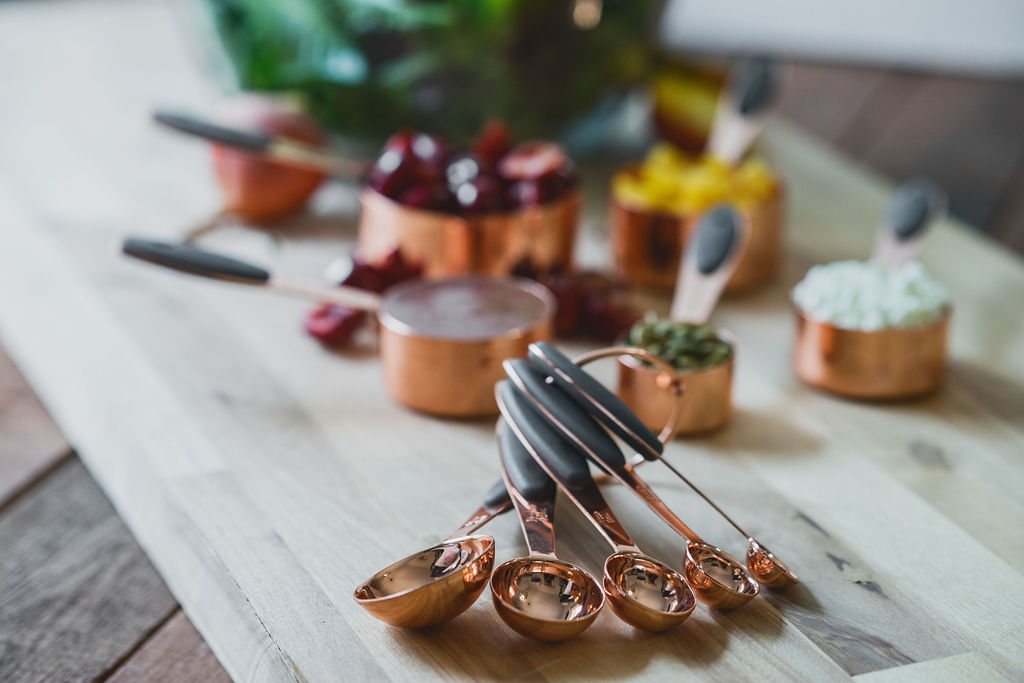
x: 714, y: 575
x: 606, y: 407
x: 441, y: 582
x: 643, y: 591
x: 539, y: 596
x: 915, y: 206
x: 441, y: 341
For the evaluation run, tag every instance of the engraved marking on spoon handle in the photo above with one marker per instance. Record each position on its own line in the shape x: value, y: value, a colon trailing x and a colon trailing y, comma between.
x: 479, y: 518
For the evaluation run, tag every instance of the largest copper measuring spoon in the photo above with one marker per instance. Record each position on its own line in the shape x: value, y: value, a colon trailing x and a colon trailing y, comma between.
x: 606, y: 407
x: 716, y: 578
x: 441, y: 341
x: 539, y: 596
x: 440, y: 582
x: 643, y: 591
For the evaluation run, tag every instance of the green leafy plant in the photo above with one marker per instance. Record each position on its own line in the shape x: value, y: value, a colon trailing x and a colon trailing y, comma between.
x: 369, y: 67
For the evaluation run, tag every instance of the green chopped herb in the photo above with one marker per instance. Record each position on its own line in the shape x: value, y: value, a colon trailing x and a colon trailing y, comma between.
x: 687, y: 346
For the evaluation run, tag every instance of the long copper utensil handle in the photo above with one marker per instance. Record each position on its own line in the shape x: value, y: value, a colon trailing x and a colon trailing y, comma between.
x: 562, y: 463
x: 496, y: 502
x: 709, y: 259
x: 195, y: 261
x: 277, y: 149
x: 532, y: 492
x: 558, y: 411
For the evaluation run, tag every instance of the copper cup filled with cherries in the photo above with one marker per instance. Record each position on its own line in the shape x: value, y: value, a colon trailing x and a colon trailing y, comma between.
x: 484, y: 209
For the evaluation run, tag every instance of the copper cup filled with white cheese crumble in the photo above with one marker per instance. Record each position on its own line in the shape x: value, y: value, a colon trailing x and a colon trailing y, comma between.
x: 870, y: 331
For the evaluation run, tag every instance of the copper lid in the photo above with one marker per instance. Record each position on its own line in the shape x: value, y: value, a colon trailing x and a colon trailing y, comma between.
x: 468, y: 308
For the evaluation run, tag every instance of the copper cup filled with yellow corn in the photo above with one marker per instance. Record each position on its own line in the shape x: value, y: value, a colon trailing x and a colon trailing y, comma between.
x: 655, y: 206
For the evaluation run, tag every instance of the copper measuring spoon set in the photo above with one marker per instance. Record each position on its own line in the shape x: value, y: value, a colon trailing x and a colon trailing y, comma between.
x: 554, y: 417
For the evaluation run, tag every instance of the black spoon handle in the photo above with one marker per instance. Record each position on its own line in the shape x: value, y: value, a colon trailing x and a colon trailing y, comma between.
x: 194, y: 260
x: 232, y: 137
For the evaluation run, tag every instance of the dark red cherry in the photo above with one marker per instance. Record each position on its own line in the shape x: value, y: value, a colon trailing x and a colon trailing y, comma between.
x: 395, y: 168
x: 481, y: 195
x: 395, y: 268
x: 333, y: 325
x: 462, y: 169
x: 493, y: 143
x: 433, y: 196
x: 430, y: 153
x: 526, y: 193
x: 532, y: 161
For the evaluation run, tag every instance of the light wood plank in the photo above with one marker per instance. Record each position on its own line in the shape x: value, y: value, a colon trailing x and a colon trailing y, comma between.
x: 955, y: 669
x: 176, y: 653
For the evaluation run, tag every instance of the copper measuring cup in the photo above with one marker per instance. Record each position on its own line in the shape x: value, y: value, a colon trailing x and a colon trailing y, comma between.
x: 643, y: 591
x: 716, y: 578
x: 711, y: 256
x: 539, y: 596
x: 646, y: 245
x: 441, y: 582
x: 441, y: 341
x: 446, y: 244
x: 616, y: 416
x: 890, y: 363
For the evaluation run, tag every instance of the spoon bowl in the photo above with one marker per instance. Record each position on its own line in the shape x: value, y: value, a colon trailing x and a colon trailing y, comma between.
x: 768, y: 569
x: 431, y: 586
x: 645, y: 592
x: 545, y: 599
x: 716, y: 577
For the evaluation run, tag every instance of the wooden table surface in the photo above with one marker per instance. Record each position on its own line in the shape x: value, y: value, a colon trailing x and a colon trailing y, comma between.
x: 265, y: 478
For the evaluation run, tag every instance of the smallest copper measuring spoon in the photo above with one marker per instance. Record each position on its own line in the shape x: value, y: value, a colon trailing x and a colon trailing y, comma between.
x: 539, y: 596
x: 441, y: 582
x: 606, y: 407
x: 642, y: 591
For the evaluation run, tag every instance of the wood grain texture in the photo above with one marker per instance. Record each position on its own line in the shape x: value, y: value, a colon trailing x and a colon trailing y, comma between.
x: 267, y: 478
x: 175, y: 653
x: 30, y: 443
x: 76, y: 592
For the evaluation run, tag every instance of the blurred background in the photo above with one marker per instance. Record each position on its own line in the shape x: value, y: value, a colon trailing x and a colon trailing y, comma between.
x: 910, y: 88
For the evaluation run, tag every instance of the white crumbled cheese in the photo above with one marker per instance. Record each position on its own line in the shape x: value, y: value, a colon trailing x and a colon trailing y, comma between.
x: 864, y: 295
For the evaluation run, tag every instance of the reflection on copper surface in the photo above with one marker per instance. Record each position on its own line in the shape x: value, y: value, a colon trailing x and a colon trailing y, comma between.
x: 449, y: 244
x: 645, y: 592
x: 431, y: 586
x: 545, y: 599
x: 705, y: 404
x: 646, y: 245
x: 892, y: 363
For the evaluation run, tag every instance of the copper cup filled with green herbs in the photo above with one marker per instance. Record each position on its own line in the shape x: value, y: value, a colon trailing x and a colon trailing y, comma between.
x: 704, y: 358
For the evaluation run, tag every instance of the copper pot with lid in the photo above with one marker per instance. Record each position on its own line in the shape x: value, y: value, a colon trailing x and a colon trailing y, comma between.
x: 442, y: 342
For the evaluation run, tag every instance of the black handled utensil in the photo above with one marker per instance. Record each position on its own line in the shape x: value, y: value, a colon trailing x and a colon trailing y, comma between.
x: 273, y: 148
x: 195, y: 261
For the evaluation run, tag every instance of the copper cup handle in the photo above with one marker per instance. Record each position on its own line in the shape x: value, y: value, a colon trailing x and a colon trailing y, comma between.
x: 669, y: 380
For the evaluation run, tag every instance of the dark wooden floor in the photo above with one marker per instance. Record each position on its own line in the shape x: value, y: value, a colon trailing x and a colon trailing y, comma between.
x: 966, y: 134
x: 80, y: 601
